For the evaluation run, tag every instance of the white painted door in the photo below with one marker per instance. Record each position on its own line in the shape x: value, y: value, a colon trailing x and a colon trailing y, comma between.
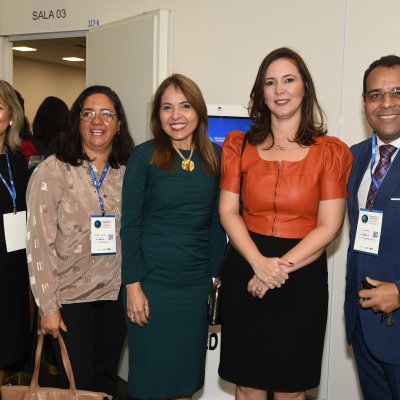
x: 132, y: 56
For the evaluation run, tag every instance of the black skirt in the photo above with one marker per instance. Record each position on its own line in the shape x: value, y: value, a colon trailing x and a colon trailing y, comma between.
x: 275, y: 343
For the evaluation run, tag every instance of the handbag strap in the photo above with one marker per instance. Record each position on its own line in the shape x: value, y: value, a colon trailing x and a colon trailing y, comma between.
x: 241, y: 176
x: 228, y: 246
x: 67, y: 363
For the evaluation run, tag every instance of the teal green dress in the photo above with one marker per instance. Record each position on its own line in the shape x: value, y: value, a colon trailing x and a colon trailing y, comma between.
x: 172, y: 243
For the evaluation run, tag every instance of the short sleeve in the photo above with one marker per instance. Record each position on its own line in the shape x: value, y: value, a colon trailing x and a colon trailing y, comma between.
x: 230, y: 162
x: 337, y: 166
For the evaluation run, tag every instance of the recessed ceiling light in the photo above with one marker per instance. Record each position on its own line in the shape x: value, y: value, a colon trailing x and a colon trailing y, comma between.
x: 73, y: 59
x: 24, y: 48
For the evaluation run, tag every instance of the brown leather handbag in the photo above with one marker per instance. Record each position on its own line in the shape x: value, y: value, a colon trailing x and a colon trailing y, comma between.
x: 35, y: 392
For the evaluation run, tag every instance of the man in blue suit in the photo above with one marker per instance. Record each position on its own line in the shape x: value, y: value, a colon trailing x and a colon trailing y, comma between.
x: 372, y: 315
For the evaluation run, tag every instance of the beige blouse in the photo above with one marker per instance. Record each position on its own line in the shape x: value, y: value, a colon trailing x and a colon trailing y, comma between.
x: 60, y: 199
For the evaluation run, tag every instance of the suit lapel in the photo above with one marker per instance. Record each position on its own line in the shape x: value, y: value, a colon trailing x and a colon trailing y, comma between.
x: 362, y: 162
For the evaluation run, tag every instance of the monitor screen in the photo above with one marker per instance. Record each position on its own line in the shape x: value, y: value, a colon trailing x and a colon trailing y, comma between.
x: 223, y: 119
x: 219, y: 127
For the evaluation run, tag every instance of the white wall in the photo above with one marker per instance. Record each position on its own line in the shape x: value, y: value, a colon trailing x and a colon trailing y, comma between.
x: 220, y: 45
x: 36, y: 80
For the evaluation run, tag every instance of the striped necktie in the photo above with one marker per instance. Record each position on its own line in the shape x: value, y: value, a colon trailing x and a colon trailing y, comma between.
x: 386, y: 151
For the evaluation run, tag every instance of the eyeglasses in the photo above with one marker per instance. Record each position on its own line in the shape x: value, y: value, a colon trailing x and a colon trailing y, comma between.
x: 377, y: 95
x: 90, y: 115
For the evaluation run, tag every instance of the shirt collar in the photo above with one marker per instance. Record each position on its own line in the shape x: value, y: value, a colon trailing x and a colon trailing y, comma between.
x: 395, y: 143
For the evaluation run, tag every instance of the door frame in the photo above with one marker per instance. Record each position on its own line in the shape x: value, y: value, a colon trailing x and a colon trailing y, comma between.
x: 7, y: 42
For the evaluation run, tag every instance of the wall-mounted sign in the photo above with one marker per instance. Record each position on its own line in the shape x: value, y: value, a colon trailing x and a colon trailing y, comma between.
x: 59, y: 13
x: 39, y: 16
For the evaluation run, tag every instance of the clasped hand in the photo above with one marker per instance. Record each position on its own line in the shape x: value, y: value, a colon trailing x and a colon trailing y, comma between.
x: 270, y: 273
x: 383, y: 298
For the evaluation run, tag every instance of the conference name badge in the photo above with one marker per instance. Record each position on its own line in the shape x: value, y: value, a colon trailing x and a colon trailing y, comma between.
x: 368, y: 233
x: 102, y: 235
x: 15, y: 231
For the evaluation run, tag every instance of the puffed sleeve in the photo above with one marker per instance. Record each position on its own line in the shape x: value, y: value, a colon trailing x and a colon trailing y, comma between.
x: 231, y: 153
x: 134, y: 265
x: 337, y: 165
x: 217, y: 241
x: 44, y: 194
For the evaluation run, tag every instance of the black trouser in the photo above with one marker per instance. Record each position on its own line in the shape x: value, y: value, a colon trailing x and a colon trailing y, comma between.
x: 94, y: 341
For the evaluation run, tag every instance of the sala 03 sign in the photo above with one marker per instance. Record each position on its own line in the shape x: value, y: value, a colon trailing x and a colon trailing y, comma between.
x: 49, y: 14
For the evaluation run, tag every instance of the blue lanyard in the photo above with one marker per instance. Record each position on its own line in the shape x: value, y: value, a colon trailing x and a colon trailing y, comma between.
x: 11, y: 190
x: 97, y: 185
x: 373, y: 159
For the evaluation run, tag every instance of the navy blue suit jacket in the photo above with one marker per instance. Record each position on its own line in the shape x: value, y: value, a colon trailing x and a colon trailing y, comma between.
x: 382, y: 340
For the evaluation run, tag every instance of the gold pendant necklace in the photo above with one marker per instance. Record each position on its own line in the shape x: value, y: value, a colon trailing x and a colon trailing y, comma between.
x: 187, y: 164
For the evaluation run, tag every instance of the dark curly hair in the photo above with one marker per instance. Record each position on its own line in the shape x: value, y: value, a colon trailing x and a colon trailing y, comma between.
x: 312, y: 116
x: 69, y: 147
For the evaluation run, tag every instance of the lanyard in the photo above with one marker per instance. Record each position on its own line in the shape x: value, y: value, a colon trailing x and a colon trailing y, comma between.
x: 97, y: 185
x: 11, y: 190
x: 373, y: 159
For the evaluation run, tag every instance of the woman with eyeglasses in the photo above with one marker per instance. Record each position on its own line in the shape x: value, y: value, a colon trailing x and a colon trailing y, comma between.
x: 73, y: 243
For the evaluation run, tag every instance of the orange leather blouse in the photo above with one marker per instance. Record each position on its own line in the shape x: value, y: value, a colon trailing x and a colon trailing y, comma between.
x: 281, y: 198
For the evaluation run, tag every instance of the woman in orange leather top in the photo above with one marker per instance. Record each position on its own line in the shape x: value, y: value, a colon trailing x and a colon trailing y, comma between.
x: 275, y: 284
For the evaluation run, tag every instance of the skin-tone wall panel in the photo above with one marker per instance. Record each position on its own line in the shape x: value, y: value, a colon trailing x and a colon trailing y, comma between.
x: 37, y: 80
x: 375, y: 33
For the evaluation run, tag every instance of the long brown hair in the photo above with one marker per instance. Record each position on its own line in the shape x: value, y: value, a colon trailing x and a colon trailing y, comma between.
x: 312, y: 122
x: 164, y: 154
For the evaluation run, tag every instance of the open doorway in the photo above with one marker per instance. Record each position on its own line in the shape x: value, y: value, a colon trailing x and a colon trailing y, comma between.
x: 132, y: 56
x: 41, y: 73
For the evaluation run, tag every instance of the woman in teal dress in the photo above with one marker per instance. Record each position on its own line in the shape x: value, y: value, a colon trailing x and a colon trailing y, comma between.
x: 172, y: 243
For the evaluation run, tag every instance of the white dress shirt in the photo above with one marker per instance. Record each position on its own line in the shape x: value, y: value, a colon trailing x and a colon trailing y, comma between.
x: 366, y: 180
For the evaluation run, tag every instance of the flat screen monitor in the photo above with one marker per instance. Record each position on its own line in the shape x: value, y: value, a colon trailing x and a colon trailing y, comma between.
x: 223, y: 119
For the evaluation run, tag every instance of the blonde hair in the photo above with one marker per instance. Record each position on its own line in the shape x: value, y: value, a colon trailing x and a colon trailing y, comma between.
x: 9, y: 97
